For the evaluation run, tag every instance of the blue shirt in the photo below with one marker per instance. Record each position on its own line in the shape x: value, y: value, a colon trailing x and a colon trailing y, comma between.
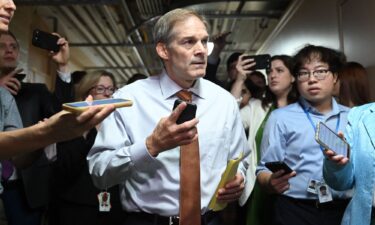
x: 151, y: 184
x: 290, y: 137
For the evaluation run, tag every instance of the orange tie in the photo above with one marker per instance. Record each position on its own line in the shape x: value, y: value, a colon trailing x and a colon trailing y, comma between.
x: 190, y: 191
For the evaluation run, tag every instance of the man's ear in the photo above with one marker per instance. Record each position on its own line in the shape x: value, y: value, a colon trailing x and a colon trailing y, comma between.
x: 335, y: 77
x: 162, y: 51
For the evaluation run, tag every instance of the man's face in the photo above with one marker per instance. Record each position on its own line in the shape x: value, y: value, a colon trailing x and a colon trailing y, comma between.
x: 313, y: 90
x: 185, y: 57
x: 7, y: 9
x: 9, y: 51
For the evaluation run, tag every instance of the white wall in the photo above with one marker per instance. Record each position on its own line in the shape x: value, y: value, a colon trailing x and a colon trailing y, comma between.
x: 317, y: 22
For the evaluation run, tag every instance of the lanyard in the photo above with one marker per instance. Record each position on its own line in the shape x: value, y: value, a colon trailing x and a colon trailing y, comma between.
x: 312, y: 122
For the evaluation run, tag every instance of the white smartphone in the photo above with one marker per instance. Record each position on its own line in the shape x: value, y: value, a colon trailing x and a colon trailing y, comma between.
x: 328, y: 139
x: 79, y: 107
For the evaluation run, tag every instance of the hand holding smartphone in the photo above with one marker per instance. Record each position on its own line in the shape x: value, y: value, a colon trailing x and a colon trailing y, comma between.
x: 277, y: 166
x: 188, y: 113
x: 79, y: 107
x: 45, y: 40
x: 261, y: 61
x: 328, y: 139
x: 20, y: 76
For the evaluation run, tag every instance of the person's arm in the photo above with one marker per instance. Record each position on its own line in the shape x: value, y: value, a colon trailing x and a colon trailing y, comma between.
x: 114, y: 153
x: 10, y: 83
x: 337, y: 169
x: 273, y: 149
x: 243, y: 69
x: 238, y: 146
x: 64, y: 87
x: 60, y: 127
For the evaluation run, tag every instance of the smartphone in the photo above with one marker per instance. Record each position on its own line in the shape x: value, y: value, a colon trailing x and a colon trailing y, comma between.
x: 328, y: 139
x: 45, y: 40
x: 263, y: 62
x: 20, y: 76
x: 188, y: 113
x: 278, y: 165
x: 78, y: 107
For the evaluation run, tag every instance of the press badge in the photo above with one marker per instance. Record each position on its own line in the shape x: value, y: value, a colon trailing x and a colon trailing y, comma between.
x: 311, y: 188
x: 104, y: 201
x: 324, y: 192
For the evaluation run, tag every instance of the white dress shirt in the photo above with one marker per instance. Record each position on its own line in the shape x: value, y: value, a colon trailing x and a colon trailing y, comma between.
x: 151, y: 184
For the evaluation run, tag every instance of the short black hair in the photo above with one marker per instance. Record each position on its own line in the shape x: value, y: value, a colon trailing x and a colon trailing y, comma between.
x: 335, y: 59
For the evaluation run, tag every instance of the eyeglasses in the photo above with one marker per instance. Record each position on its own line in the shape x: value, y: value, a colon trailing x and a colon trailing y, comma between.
x: 100, y: 89
x: 318, y: 74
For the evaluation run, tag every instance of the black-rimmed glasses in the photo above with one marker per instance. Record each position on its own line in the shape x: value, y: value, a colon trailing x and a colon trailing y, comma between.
x: 320, y: 74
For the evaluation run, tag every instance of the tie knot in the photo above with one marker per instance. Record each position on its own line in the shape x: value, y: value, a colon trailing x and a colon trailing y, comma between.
x: 185, y: 95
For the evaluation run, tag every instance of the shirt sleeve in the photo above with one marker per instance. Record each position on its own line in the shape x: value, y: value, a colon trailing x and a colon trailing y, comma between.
x: 113, y: 155
x: 12, y: 118
x: 238, y: 144
x: 273, y: 142
x: 340, y: 177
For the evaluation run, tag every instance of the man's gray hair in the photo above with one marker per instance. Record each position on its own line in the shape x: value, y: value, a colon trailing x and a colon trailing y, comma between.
x: 163, y: 29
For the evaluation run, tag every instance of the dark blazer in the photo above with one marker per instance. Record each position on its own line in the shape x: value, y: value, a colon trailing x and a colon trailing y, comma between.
x: 74, y: 187
x: 35, y: 103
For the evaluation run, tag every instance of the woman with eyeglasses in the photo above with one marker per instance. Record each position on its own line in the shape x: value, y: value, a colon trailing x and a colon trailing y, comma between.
x: 289, y: 137
x: 76, y: 199
x: 280, y: 92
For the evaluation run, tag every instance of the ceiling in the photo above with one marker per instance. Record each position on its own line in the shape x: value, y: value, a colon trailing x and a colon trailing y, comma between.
x: 116, y: 35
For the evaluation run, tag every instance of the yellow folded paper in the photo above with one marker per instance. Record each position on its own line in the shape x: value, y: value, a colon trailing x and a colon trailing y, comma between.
x: 229, y: 173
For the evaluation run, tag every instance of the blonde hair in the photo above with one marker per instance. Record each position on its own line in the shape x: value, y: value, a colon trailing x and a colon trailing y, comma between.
x: 83, y: 88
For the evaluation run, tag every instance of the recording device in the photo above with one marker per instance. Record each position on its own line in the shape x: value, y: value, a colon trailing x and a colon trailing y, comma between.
x: 78, y: 107
x: 278, y: 165
x: 262, y: 61
x: 328, y: 139
x: 188, y: 113
x: 20, y: 76
x: 45, y: 40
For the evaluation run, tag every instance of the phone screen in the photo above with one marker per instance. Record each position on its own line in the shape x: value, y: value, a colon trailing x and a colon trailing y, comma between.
x: 278, y: 165
x: 96, y: 102
x: 330, y: 140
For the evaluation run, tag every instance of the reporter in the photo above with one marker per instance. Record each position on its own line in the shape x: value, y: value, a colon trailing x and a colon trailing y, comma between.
x: 358, y: 172
x: 60, y: 127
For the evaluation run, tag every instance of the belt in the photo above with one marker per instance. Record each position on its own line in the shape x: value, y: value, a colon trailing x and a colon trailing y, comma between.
x: 334, y: 204
x: 169, y: 220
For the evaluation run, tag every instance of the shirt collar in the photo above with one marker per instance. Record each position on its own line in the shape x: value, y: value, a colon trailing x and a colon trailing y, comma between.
x: 169, y: 88
x: 306, y: 105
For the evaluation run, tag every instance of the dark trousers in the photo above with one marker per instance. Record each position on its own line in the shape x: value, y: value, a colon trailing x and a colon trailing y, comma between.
x: 290, y: 211
x: 17, y: 210
x: 150, y: 219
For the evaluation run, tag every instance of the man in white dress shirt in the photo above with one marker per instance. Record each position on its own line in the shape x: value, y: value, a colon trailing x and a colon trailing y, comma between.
x: 139, y: 146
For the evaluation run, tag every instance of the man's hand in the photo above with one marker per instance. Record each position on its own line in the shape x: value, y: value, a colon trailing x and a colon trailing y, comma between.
x: 61, y: 58
x: 278, y: 182
x: 11, y: 83
x: 338, y: 159
x: 219, y: 41
x: 243, y: 67
x: 65, y: 125
x: 232, y: 190
x: 168, y: 134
